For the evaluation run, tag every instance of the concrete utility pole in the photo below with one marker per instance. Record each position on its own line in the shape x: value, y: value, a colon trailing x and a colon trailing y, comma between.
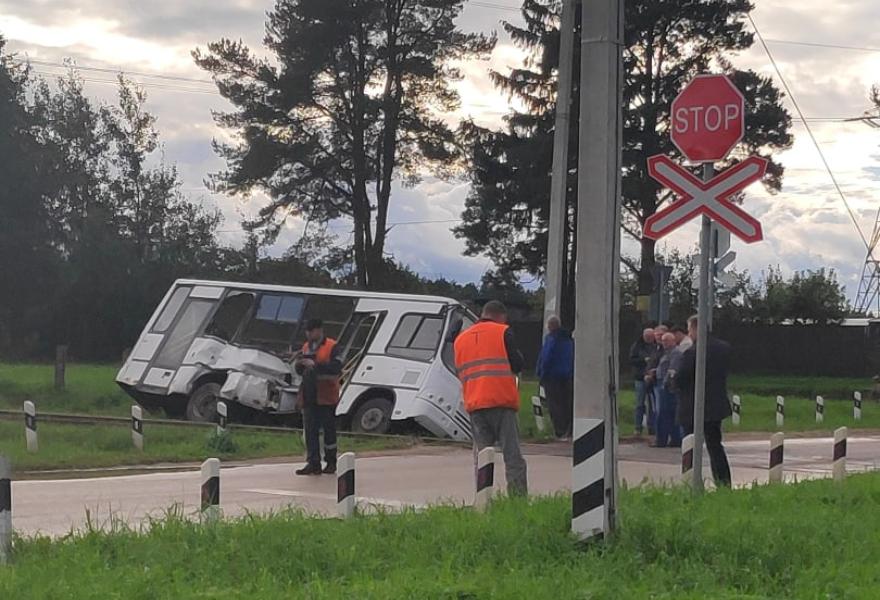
x: 598, y: 260
x: 553, y: 275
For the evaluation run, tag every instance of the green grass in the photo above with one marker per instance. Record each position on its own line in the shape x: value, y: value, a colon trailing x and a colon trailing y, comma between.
x: 90, y: 389
x: 809, y: 540
x: 836, y: 388
x: 87, y: 446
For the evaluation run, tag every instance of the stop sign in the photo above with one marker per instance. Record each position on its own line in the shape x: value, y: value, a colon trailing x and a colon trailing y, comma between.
x: 707, y: 118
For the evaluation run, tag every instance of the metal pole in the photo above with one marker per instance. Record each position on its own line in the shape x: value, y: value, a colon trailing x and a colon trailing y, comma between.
x: 595, y: 386
x: 559, y: 182
x: 702, y: 341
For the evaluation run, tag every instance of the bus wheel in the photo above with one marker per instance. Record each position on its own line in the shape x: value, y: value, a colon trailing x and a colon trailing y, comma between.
x: 373, y: 416
x: 202, y: 405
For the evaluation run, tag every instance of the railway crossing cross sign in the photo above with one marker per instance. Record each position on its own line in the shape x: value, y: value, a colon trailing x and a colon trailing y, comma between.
x: 711, y: 198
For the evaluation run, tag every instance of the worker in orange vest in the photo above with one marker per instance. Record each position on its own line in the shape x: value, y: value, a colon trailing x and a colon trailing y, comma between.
x: 488, y: 361
x: 320, y: 365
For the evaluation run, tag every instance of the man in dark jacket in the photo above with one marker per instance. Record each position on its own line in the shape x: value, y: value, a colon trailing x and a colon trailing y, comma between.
x: 555, y: 371
x: 717, y: 402
x: 641, y: 354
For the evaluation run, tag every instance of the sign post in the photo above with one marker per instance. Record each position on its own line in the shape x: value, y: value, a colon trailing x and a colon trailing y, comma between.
x: 707, y: 122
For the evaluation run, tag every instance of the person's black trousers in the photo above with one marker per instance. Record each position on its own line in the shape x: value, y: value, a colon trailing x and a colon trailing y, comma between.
x: 316, y: 418
x: 560, y: 394
x: 717, y: 454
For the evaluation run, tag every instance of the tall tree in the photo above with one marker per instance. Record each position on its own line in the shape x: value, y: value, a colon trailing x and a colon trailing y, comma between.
x: 353, y: 101
x: 667, y: 42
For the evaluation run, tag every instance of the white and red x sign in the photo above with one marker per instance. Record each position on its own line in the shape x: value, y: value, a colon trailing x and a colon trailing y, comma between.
x: 711, y: 198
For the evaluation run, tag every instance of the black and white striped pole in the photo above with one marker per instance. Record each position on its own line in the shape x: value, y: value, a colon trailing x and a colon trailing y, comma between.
x: 538, y: 410
x: 588, y: 514
x: 346, y: 501
x: 137, y: 427
x: 737, y: 410
x: 5, y: 511
x: 30, y: 426
x: 687, y: 458
x: 820, y: 409
x: 210, y: 505
x: 777, y: 454
x: 838, y: 468
x: 485, y: 478
x: 222, y: 417
x: 857, y: 406
x: 780, y: 412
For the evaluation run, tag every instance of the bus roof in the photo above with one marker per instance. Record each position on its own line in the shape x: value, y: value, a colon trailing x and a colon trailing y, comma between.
x: 325, y: 291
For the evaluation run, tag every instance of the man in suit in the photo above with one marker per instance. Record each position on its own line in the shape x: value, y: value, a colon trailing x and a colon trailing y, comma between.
x: 717, y: 402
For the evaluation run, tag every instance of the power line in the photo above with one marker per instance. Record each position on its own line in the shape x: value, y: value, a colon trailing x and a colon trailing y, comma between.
x: 78, y: 67
x: 820, y: 45
x: 493, y: 6
x: 800, y: 113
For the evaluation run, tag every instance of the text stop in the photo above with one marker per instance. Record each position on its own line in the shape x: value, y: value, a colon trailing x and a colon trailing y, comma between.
x: 696, y: 119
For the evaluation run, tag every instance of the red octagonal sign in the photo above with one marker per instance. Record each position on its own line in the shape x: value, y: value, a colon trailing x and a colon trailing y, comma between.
x: 707, y: 118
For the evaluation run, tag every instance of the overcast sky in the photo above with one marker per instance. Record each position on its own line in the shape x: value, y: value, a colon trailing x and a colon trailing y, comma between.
x: 805, y: 226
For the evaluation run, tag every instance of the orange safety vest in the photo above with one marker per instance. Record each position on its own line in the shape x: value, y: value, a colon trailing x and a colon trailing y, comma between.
x: 328, y: 385
x: 484, y: 368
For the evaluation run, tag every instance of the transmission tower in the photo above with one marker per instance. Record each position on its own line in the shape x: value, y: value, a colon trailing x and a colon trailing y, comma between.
x: 868, y: 298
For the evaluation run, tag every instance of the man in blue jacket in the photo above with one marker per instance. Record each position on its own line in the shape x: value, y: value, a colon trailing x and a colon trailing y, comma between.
x: 555, y: 371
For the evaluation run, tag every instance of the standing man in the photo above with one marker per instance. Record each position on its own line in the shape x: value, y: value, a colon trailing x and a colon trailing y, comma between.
x: 668, y: 433
x: 717, y: 402
x: 555, y: 372
x: 487, y: 361
x: 320, y: 366
x: 640, y: 354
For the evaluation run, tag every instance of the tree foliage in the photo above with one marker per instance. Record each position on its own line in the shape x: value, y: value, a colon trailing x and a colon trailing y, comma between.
x: 352, y: 102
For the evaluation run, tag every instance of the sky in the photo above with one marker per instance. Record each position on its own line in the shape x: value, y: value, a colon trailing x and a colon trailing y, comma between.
x: 806, y: 225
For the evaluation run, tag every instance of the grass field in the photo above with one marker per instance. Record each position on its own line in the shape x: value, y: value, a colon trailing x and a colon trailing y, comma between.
x: 83, y: 446
x: 809, y: 540
x: 91, y: 389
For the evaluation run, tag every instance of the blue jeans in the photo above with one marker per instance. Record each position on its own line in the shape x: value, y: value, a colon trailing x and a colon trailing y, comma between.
x: 668, y: 433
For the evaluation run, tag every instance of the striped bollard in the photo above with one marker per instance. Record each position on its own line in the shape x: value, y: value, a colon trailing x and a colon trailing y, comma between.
x: 820, y: 409
x: 687, y: 459
x: 5, y: 511
x: 137, y: 427
x: 345, y: 498
x: 777, y: 453
x: 538, y: 411
x: 857, y: 406
x: 839, y: 466
x: 780, y: 411
x: 210, y: 490
x: 737, y: 410
x: 30, y: 426
x: 485, y: 478
x: 222, y: 418
x: 588, y: 518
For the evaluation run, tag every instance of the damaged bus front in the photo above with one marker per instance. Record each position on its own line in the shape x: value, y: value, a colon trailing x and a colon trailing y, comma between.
x: 210, y: 341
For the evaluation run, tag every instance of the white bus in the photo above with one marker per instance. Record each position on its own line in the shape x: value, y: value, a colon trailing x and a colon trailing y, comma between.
x: 210, y: 341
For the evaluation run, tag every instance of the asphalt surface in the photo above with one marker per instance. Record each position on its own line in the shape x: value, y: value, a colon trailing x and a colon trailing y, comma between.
x: 418, y: 477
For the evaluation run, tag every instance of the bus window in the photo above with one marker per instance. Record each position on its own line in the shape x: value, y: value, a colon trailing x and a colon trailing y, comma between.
x: 229, y: 315
x: 417, y: 337
x: 357, y: 334
x: 184, y: 332
x: 171, y: 309
x: 274, y: 325
x: 334, y: 312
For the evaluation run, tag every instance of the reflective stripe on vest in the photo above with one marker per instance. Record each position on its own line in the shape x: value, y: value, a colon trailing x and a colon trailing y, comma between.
x: 484, y: 369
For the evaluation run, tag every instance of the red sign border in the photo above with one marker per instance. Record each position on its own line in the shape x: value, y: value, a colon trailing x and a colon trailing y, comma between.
x: 672, y: 116
x: 702, y: 209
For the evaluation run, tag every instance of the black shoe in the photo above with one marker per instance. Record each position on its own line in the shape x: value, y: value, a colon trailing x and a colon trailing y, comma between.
x: 309, y: 470
x: 330, y: 469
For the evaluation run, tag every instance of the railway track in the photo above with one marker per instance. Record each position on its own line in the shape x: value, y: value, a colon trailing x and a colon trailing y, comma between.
x: 74, y: 419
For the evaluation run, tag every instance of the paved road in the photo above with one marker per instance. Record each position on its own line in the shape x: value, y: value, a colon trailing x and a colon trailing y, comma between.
x: 416, y: 478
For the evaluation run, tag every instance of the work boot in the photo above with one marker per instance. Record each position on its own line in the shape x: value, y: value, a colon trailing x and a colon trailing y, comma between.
x: 309, y: 469
x: 330, y: 469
